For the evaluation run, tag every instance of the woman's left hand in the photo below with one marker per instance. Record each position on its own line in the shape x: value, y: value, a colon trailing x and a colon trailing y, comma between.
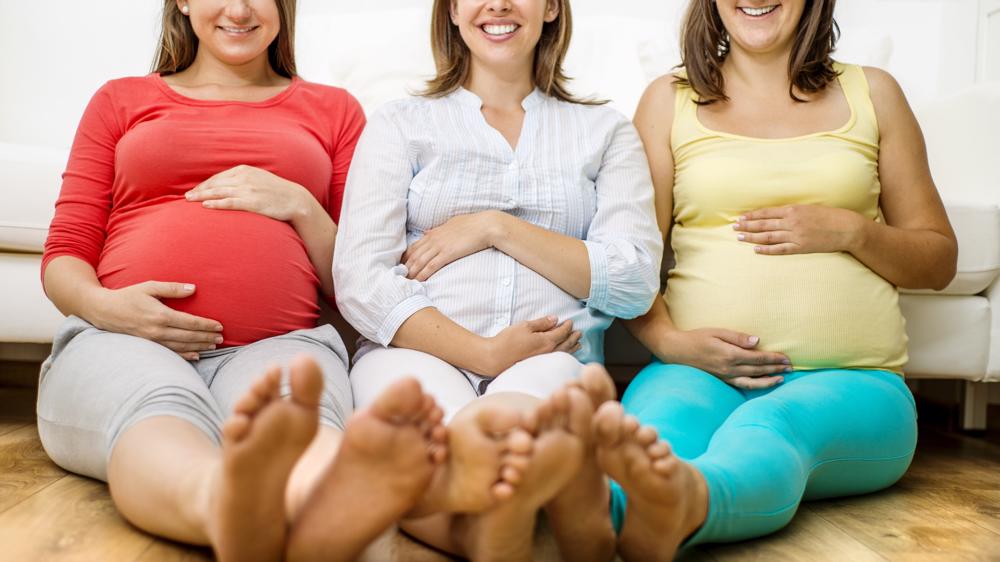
x: 800, y: 229
x: 246, y: 188
x: 460, y: 236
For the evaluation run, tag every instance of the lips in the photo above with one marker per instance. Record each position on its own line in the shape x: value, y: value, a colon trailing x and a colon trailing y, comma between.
x: 238, y: 30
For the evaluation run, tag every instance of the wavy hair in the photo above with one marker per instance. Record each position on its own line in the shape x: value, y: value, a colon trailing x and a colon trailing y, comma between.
x: 452, y: 55
x: 705, y: 46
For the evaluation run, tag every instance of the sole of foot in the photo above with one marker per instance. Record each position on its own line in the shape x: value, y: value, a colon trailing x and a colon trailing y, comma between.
x: 667, y: 497
x: 488, y: 450
x: 262, y: 441
x: 387, y: 456
x: 579, y: 515
x: 558, y: 424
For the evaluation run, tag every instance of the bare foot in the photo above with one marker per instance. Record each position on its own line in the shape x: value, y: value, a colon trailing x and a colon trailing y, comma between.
x: 579, y: 515
x: 386, y: 459
x: 506, y: 531
x: 487, y: 450
x: 667, y: 497
x: 261, y: 443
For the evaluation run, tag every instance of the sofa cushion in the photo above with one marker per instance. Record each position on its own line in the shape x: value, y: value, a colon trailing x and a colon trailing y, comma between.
x: 977, y: 228
x: 949, y: 335
x: 30, y: 317
x: 30, y: 177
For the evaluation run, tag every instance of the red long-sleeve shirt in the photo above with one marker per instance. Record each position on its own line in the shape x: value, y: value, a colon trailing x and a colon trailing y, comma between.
x: 141, y: 145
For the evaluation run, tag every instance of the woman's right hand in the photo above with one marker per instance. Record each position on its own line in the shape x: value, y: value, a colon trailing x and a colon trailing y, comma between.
x: 136, y: 310
x: 728, y: 355
x: 527, y: 339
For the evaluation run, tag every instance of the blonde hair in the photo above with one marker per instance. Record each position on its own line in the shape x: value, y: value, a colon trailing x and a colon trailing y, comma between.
x: 451, y: 55
x: 179, y: 44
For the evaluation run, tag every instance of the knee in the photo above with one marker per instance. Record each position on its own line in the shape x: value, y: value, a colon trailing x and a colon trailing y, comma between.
x: 659, y: 380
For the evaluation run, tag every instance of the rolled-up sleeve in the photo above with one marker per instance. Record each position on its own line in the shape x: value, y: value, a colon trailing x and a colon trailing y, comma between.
x: 372, y: 290
x: 624, y: 244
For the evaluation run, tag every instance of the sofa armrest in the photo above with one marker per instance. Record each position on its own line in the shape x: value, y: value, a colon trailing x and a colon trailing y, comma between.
x: 977, y: 228
x: 30, y: 178
x: 993, y: 367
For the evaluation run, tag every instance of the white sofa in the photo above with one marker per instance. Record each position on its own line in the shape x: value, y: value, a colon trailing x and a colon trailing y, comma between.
x: 954, y: 333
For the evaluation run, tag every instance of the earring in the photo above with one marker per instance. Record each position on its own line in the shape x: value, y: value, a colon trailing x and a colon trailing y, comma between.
x: 184, y: 9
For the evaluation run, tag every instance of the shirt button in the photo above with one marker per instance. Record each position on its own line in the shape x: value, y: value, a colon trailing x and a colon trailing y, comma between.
x: 511, y: 202
x: 506, y: 282
x: 513, y: 165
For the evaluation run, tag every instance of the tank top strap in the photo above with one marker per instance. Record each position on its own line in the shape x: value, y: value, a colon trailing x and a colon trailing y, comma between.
x: 685, y: 128
x: 854, y: 83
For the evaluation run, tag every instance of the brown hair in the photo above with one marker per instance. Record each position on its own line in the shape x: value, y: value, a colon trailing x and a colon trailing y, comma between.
x: 705, y: 45
x: 451, y: 55
x: 179, y: 45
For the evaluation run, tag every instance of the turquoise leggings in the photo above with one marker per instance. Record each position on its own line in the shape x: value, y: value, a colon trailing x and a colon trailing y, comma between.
x: 820, y: 434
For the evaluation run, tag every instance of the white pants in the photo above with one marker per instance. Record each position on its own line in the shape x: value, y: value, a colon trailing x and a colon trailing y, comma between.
x: 452, y: 388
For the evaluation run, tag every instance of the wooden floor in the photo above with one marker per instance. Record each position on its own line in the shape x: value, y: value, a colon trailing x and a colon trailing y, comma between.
x: 946, y: 508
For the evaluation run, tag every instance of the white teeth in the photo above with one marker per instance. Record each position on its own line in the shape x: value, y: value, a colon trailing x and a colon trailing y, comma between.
x: 499, y: 29
x: 238, y: 29
x: 758, y: 11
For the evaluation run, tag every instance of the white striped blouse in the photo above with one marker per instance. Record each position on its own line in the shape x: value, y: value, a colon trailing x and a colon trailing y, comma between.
x: 578, y: 170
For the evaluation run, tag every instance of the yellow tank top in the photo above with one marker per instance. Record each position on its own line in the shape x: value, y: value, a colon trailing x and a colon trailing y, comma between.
x: 822, y: 310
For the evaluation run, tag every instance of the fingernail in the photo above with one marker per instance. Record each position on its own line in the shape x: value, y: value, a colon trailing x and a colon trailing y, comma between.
x: 787, y: 361
x: 188, y: 287
x: 743, y: 218
x: 757, y: 249
x: 754, y: 340
x: 218, y: 339
x: 741, y: 237
x: 218, y: 327
x: 789, y: 369
x: 188, y: 195
x: 736, y: 225
x: 211, y: 347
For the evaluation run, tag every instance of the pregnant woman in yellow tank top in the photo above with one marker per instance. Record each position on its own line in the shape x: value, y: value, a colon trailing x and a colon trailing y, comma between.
x: 795, y: 193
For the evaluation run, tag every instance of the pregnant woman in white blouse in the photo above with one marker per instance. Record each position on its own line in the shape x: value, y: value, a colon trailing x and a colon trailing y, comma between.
x: 492, y: 229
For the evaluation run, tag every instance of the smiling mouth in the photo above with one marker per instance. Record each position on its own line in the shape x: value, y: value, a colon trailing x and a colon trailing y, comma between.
x: 758, y: 12
x: 499, y: 30
x: 237, y: 30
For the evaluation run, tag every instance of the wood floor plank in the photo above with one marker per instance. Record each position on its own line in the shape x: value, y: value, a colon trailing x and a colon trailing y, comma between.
x: 982, y: 507
x: 71, y: 520
x: 902, y: 525
x: 807, y: 537
x: 24, y: 467
x: 6, y: 426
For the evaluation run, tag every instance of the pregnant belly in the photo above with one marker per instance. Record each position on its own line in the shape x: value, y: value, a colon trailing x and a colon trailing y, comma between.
x: 489, y: 291
x: 252, y: 273
x: 822, y: 310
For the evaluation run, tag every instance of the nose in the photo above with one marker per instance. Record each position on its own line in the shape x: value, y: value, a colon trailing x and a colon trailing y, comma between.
x: 238, y: 10
x: 498, y: 6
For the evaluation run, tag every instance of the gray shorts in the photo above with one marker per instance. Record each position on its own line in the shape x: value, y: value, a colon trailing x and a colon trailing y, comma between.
x: 97, y: 384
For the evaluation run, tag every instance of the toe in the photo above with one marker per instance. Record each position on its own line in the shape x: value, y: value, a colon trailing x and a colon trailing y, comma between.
x: 658, y: 450
x: 511, y: 475
x: 608, y: 423
x: 306, y: 381
x: 560, y: 408
x: 520, y: 442
x: 581, y: 412
x: 646, y: 436
x: 497, y: 421
x: 236, y: 428
x: 399, y: 403
x: 598, y: 383
x: 249, y: 404
x: 502, y: 490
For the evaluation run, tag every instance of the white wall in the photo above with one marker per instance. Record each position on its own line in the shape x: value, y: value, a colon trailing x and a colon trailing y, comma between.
x: 56, y: 53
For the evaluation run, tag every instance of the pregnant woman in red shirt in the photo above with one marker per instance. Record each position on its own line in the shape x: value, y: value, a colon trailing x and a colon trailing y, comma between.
x: 192, y: 238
